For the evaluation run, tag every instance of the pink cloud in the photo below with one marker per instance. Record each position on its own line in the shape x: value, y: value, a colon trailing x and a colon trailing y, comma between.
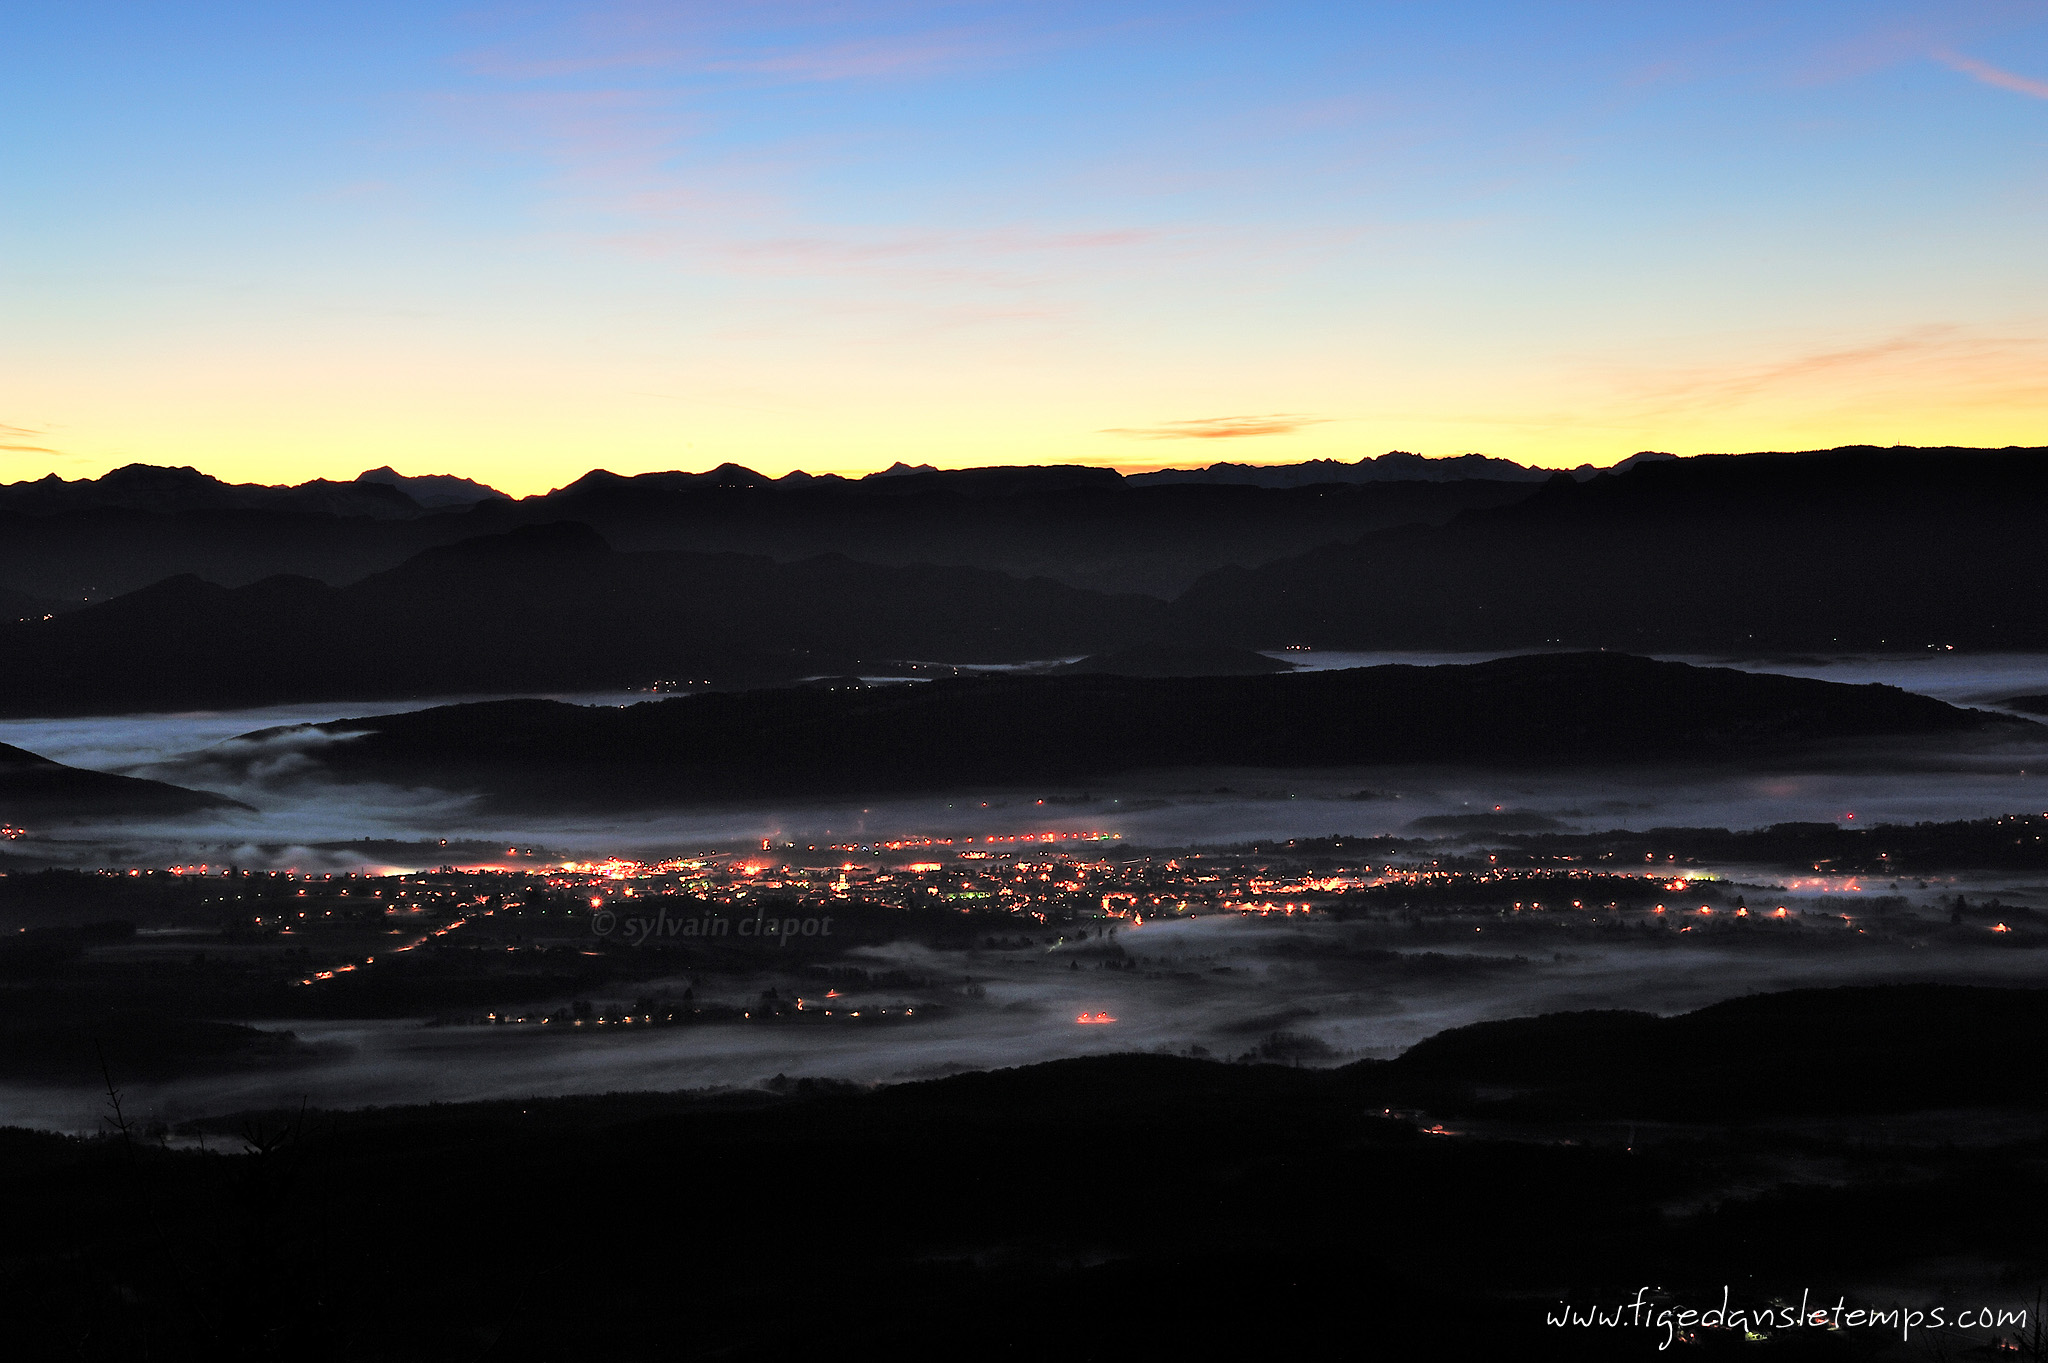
x: 921, y: 54
x: 1991, y: 75
x: 1953, y: 357
x: 818, y: 42
x: 497, y: 62
x: 611, y: 137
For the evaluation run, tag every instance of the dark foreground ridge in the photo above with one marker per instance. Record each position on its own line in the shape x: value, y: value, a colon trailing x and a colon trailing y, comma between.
x: 34, y: 789
x: 1128, y: 1206
x: 1819, y: 1052
x: 1541, y: 708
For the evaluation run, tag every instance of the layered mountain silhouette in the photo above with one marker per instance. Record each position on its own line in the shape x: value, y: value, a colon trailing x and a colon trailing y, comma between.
x: 550, y: 608
x: 1016, y: 729
x: 1083, y: 526
x: 733, y: 578
x: 147, y: 487
x: 89, y: 540
x: 1393, y: 466
x: 1855, y: 548
x: 433, y: 491
x: 66, y: 543
x: 35, y: 790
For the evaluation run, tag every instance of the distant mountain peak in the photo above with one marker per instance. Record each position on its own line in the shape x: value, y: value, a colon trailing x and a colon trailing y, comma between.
x: 158, y: 474
x: 596, y: 480
x: 175, y: 489
x: 433, y: 490
x: 990, y: 480
x: 736, y: 475
x: 725, y: 475
x: 1393, y: 466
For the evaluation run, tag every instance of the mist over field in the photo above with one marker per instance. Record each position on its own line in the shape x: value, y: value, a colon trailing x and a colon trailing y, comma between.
x: 304, y: 822
x: 258, y: 757
x: 1216, y: 986
x: 1212, y: 985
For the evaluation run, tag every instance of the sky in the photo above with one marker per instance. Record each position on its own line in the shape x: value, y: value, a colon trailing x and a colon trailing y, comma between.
x: 281, y: 241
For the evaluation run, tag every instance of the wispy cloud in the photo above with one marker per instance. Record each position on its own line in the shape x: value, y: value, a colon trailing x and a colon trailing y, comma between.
x: 792, y: 42
x: 1991, y: 75
x: 502, y: 64
x: 642, y: 107
x: 1966, y: 364
x: 10, y: 434
x: 1220, y: 427
x: 913, y: 55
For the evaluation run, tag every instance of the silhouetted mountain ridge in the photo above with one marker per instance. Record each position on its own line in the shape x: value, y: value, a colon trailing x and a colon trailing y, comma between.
x: 1083, y: 526
x: 1393, y: 466
x: 433, y: 491
x: 148, y: 487
x: 1850, y: 549
x: 1857, y: 548
x: 1016, y: 729
x: 541, y: 607
x: 1805, y: 1050
x: 34, y: 790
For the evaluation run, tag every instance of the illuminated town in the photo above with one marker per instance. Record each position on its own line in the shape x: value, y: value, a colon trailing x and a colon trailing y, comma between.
x: 551, y: 928
x: 1045, y: 880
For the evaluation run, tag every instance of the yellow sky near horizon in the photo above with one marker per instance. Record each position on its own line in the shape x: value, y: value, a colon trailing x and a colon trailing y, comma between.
x: 527, y: 428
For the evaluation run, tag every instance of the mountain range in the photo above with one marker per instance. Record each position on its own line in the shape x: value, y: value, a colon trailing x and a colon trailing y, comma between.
x: 548, y: 608
x: 66, y: 544
x: 1393, y: 466
x: 1852, y: 549
x: 729, y: 579
x: 382, y: 493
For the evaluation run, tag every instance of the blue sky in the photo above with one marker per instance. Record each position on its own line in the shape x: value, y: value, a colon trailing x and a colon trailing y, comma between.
x: 521, y: 241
